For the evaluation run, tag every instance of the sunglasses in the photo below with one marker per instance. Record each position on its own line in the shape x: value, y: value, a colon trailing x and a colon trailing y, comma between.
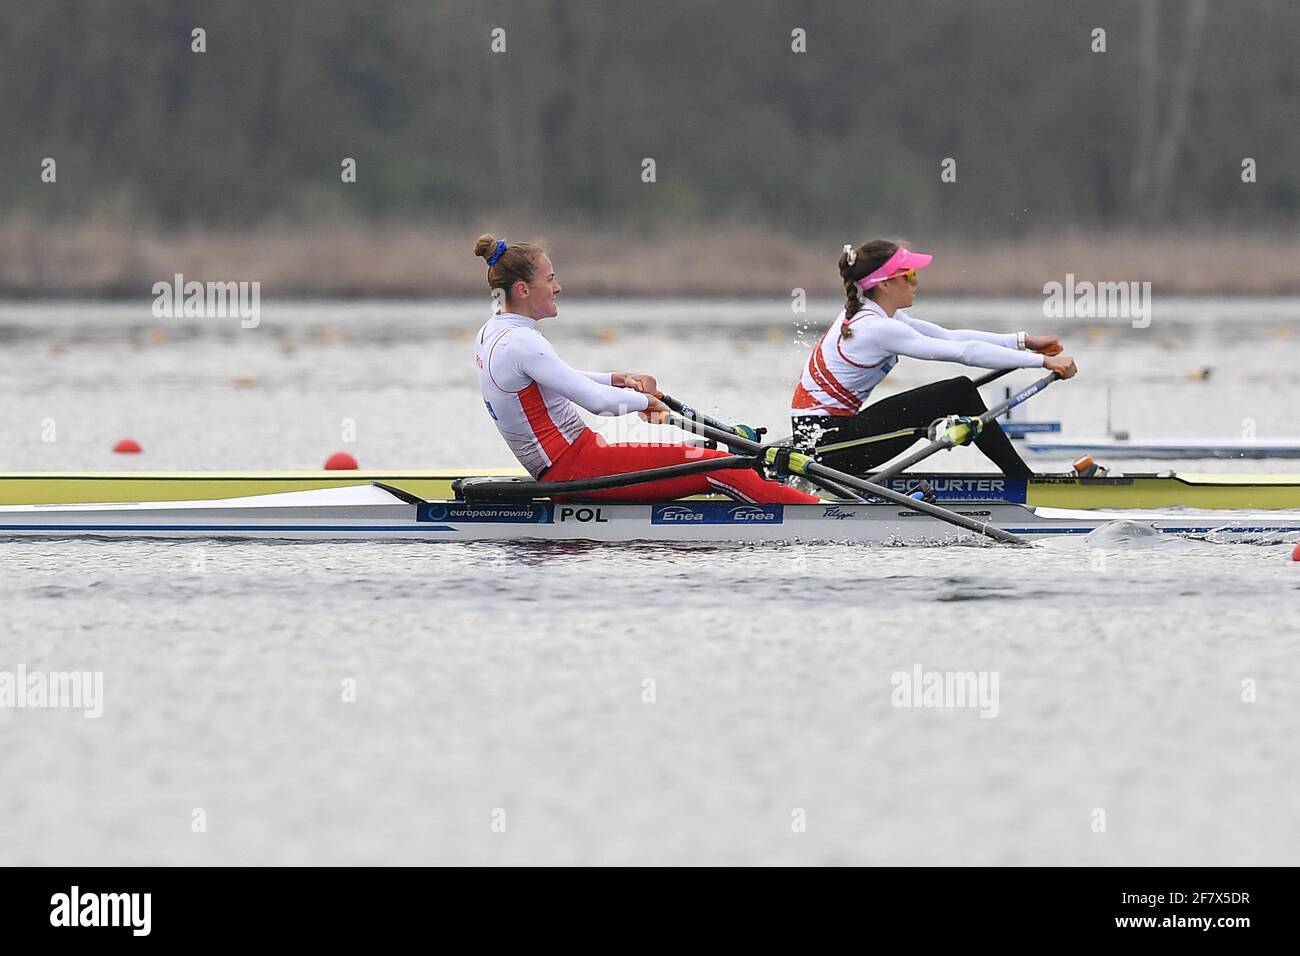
x: 909, y: 275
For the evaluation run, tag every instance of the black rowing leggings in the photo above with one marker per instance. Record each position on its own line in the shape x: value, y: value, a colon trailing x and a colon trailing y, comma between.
x: 916, y: 408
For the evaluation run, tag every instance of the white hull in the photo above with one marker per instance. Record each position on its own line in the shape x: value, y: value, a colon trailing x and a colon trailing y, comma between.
x: 371, y: 513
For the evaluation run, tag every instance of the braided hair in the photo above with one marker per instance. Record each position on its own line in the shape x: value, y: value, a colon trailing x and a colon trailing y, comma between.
x: 859, y: 263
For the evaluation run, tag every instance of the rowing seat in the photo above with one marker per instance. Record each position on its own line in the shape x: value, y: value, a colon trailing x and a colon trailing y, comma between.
x: 492, y: 488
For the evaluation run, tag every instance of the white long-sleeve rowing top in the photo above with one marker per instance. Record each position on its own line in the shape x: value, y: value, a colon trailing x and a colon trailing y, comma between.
x: 856, y: 353
x: 530, y: 392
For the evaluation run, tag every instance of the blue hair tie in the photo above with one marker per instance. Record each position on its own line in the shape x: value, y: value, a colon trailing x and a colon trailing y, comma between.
x: 497, y: 253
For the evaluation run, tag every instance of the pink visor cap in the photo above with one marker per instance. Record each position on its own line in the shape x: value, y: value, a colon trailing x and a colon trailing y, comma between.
x: 900, y: 261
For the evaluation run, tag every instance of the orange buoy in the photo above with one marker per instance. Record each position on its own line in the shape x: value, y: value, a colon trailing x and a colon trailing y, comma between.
x: 1295, y: 552
x: 340, y: 461
x: 127, y: 446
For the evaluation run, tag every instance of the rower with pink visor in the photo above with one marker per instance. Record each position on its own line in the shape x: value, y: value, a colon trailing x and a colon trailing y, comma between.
x: 900, y: 263
x: 869, y: 337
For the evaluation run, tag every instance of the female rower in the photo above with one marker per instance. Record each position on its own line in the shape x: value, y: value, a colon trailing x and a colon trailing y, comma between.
x: 865, y: 342
x: 530, y: 394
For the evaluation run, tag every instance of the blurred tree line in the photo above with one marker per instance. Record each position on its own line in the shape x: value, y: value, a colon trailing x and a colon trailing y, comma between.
x: 1045, y: 131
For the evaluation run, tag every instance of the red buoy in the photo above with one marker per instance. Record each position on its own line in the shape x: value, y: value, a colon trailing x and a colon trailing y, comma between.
x: 340, y: 461
x: 1295, y: 552
x: 127, y: 446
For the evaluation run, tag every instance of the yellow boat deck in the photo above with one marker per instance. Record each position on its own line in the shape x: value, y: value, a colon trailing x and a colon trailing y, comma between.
x: 1210, y: 492
x: 1237, y: 492
x: 87, y: 487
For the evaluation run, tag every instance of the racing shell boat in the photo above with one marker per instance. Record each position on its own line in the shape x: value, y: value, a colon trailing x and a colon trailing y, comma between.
x: 376, y: 512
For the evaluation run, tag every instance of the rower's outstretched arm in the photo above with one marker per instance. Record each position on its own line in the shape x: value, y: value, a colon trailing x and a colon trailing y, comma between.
x: 537, y: 360
x: 1005, y: 339
x: 638, y: 381
x: 901, y: 339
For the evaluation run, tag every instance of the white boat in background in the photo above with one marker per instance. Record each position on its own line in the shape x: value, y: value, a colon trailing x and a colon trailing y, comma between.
x: 378, y: 513
x: 1120, y: 446
x: 1044, y: 438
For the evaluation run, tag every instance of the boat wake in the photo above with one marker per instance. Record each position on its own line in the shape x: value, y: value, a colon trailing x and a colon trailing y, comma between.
x: 1126, y: 534
x: 1135, y: 535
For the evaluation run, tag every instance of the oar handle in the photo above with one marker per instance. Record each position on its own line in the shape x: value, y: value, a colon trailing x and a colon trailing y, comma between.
x: 686, y: 411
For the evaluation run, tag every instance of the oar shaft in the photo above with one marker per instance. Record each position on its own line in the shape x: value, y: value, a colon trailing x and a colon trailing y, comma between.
x: 1023, y: 395
x: 815, y: 470
x: 991, y: 377
x: 687, y: 411
x: 690, y: 412
x: 947, y: 441
x: 513, y: 489
x: 836, y: 489
x: 934, y: 511
x: 736, y: 440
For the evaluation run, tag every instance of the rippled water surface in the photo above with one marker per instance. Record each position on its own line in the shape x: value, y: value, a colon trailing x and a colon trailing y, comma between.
x: 652, y: 704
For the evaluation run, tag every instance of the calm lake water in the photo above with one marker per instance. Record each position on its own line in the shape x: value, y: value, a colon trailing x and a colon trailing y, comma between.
x: 421, y: 703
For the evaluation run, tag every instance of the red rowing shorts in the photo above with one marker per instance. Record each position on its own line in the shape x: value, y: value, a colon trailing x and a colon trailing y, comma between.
x: 590, y: 456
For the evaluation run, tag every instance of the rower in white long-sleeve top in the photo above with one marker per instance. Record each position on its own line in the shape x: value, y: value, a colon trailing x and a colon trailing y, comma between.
x: 866, y: 341
x: 532, y: 394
